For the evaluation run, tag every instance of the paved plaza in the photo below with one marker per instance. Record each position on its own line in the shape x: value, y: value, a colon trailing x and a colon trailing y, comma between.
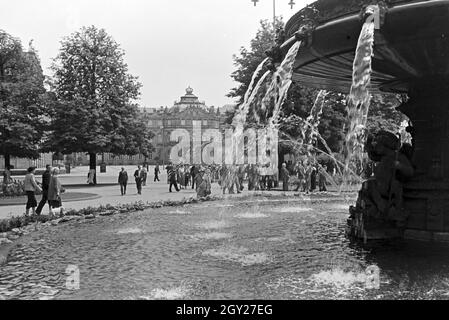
x: 107, y: 191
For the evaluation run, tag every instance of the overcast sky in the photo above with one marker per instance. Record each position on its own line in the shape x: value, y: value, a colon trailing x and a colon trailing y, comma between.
x: 169, y: 44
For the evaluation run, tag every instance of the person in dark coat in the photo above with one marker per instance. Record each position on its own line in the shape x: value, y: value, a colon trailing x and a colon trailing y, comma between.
x: 138, y: 175
x: 193, y: 173
x: 45, y: 182
x: 285, y: 176
x: 156, y: 173
x: 322, y: 178
x: 186, y: 176
x: 144, y: 176
x: 123, y: 181
x: 172, y: 177
x: 313, y: 179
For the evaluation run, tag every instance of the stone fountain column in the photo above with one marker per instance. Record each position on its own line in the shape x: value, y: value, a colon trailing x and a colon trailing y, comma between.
x: 426, y: 196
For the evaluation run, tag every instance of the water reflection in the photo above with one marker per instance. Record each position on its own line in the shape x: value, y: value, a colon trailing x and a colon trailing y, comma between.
x: 292, y: 250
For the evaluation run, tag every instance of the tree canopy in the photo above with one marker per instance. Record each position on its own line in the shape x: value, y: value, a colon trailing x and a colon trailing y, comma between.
x: 23, y: 112
x: 94, y: 109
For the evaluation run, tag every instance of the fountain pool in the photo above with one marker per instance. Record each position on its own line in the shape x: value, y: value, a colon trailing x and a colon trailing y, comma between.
x: 255, y: 248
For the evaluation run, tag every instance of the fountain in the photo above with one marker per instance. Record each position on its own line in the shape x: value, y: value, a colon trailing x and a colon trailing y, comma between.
x: 409, y: 194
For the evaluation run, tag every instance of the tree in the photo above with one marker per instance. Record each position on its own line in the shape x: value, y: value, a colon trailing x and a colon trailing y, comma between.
x: 246, y: 63
x: 22, y: 100
x: 383, y: 114
x: 139, y: 137
x: 94, y: 109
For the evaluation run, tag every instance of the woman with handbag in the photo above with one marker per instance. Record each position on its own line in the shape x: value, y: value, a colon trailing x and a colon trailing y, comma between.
x: 54, y: 192
x: 31, y: 187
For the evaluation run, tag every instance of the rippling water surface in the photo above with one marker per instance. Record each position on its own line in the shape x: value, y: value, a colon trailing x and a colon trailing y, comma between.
x: 230, y: 249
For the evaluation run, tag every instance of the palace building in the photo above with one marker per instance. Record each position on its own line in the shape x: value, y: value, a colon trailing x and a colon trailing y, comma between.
x: 163, y: 121
x: 189, y: 108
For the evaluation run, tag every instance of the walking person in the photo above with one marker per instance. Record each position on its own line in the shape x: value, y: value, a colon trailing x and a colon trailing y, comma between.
x: 235, y: 180
x: 307, y: 177
x: 156, y: 173
x: 193, y: 173
x: 181, y: 176
x: 172, y: 178
x: 54, y: 192
x: 7, y: 175
x: 285, y: 176
x: 241, y: 176
x: 203, y: 183
x: 322, y: 178
x: 187, y: 176
x: 313, y: 179
x: 138, y: 174
x: 208, y: 180
x: 46, y: 176
x: 31, y: 187
x: 144, y: 176
x: 123, y: 181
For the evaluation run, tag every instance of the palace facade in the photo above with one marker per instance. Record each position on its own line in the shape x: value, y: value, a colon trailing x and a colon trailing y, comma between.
x: 189, y: 108
x: 163, y: 121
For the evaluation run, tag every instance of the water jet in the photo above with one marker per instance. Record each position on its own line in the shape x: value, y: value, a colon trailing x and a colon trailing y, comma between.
x: 410, y: 56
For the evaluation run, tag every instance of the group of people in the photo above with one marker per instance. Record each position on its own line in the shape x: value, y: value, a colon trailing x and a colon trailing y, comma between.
x: 140, y: 176
x: 181, y: 176
x: 50, y: 187
x: 229, y: 177
x: 305, y: 175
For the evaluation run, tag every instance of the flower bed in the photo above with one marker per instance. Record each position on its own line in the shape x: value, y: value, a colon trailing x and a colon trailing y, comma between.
x: 7, y: 225
x: 13, y: 189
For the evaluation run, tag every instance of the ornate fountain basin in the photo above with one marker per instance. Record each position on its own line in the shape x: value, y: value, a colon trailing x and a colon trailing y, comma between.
x: 411, y: 47
x: 411, y: 55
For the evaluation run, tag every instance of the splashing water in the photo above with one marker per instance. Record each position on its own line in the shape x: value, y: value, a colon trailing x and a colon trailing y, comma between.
x: 280, y: 83
x: 175, y: 293
x: 253, y: 79
x: 359, y: 96
x: 239, y: 119
x: 339, y: 277
x: 305, y: 144
x: 313, y: 120
x: 406, y: 137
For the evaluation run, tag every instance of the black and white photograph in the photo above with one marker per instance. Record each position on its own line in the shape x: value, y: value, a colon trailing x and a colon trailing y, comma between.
x: 235, y: 152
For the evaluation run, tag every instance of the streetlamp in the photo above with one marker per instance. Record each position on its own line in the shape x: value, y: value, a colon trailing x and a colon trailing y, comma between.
x: 291, y: 3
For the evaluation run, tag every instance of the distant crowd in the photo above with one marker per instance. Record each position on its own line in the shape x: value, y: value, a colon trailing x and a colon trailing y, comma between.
x: 303, y: 176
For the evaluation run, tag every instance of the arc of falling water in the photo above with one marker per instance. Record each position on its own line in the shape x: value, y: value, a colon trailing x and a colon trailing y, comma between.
x: 315, y: 115
x: 280, y: 84
x: 240, y: 116
x: 359, y: 96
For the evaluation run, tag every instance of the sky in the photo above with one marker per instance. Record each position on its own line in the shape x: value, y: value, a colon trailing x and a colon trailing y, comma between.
x: 169, y: 44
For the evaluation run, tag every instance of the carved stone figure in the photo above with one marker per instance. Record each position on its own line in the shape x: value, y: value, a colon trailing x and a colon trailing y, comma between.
x: 381, y: 197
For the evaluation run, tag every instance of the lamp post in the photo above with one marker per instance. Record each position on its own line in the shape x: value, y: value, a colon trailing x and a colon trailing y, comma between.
x: 291, y: 3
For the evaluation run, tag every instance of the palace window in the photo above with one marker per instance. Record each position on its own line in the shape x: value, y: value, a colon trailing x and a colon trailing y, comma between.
x: 183, y: 122
x: 204, y: 122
